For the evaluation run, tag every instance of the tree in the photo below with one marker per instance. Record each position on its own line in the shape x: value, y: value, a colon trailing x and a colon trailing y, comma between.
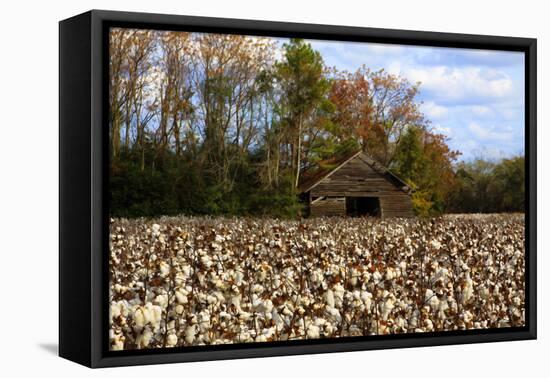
x: 509, y: 184
x: 209, y: 123
x: 424, y: 160
x: 303, y: 85
x: 226, y: 68
x: 487, y: 186
x: 375, y: 108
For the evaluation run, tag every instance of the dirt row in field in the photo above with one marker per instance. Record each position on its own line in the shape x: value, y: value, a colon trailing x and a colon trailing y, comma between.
x: 182, y: 281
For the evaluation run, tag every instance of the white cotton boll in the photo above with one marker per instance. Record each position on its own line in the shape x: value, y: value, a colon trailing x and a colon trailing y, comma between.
x: 181, y: 296
x: 435, y: 244
x: 257, y: 289
x: 139, y: 317
x: 224, y: 316
x: 277, y: 319
x: 155, y: 315
x: 145, y: 337
x: 444, y: 275
x: 235, y: 300
x: 468, y: 291
x: 245, y: 316
x: 219, y: 239
x: 186, y: 270
x: 329, y: 329
x: 388, y: 306
x: 171, y: 340
x: 117, y: 340
x: 164, y: 269
x: 366, y: 297
x: 211, y: 299
x: 256, y: 302
x: 376, y: 276
x: 334, y: 314
x: 267, y: 306
x: 428, y: 325
x: 115, y: 310
x: 156, y: 229
x: 503, y: 323
x: 484, y: 292
x: 161, y: 300
x: 431, y: 299
x: 317, y: 276
x: 261, y: 275
x: 443, y: 306
x: 329, y: 298
x: 120, y: 289
x: 313, y: 331
x: 204, y: 317
x: 244, y: 335
x: 320, y: 322
x: 190, y: 334
x: 338, y: 294
x: 400, y: 322
x: 206, y: 261
x: 179, y: 309
x: 239, y: 276
x: 467, y: 316
x: 354, y: 274
x: 269, y: 332
x: 261, y: 339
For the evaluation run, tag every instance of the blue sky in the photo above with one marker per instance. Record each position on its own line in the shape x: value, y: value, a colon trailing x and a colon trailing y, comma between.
x: 475, y: 97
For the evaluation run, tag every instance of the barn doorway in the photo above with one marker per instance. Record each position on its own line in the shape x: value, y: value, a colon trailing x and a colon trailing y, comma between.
x: 363, y: 206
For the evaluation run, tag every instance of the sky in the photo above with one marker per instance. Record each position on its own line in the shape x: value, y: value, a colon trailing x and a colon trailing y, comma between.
x: 475, y: 97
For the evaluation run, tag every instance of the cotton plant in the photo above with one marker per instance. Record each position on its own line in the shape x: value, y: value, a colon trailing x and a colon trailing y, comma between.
x: 182, y: 281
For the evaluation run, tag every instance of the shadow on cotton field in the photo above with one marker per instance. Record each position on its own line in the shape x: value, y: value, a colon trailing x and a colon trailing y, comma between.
x: 181, y: 281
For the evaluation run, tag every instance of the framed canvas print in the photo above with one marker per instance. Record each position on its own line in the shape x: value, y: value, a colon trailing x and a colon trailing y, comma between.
x: 234, y: 188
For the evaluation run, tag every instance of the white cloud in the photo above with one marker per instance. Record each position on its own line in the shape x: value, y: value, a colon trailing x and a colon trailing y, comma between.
x: 481, y: 110
x: 475, y: 96
x: 432, y: 110
x: 491, y: 133
x: 461, y: 84
x: 442, y: 130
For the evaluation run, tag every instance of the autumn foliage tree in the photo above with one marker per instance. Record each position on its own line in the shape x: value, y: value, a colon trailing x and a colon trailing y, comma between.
x: 375, y: 108
x: 425, y: 161
x: 203, y: 123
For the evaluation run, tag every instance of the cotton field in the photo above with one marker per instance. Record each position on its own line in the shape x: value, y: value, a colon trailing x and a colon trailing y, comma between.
x: 181, y: 281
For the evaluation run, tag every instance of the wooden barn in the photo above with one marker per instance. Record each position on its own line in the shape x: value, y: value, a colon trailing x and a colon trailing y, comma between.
x: 356, y: 186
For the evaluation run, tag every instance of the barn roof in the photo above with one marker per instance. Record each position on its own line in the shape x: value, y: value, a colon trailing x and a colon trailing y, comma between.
x: 311, y: 180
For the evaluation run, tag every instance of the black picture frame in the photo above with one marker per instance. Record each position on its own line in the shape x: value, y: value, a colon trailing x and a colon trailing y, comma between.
x: 83, y: 195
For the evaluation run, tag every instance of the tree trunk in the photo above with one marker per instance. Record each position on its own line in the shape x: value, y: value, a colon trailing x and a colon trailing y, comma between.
x: 298, y: 152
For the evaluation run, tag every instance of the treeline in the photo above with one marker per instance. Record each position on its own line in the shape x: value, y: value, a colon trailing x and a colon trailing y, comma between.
x: 226, y: 124
x: 484, y: 186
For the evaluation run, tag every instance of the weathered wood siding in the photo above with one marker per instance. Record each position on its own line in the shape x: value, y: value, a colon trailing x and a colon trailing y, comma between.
x: 329, y: 207
x: 356, y: 178
x: 398, y: 205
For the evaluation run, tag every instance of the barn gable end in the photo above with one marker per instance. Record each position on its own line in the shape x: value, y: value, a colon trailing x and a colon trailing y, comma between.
x: 358, y: 186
